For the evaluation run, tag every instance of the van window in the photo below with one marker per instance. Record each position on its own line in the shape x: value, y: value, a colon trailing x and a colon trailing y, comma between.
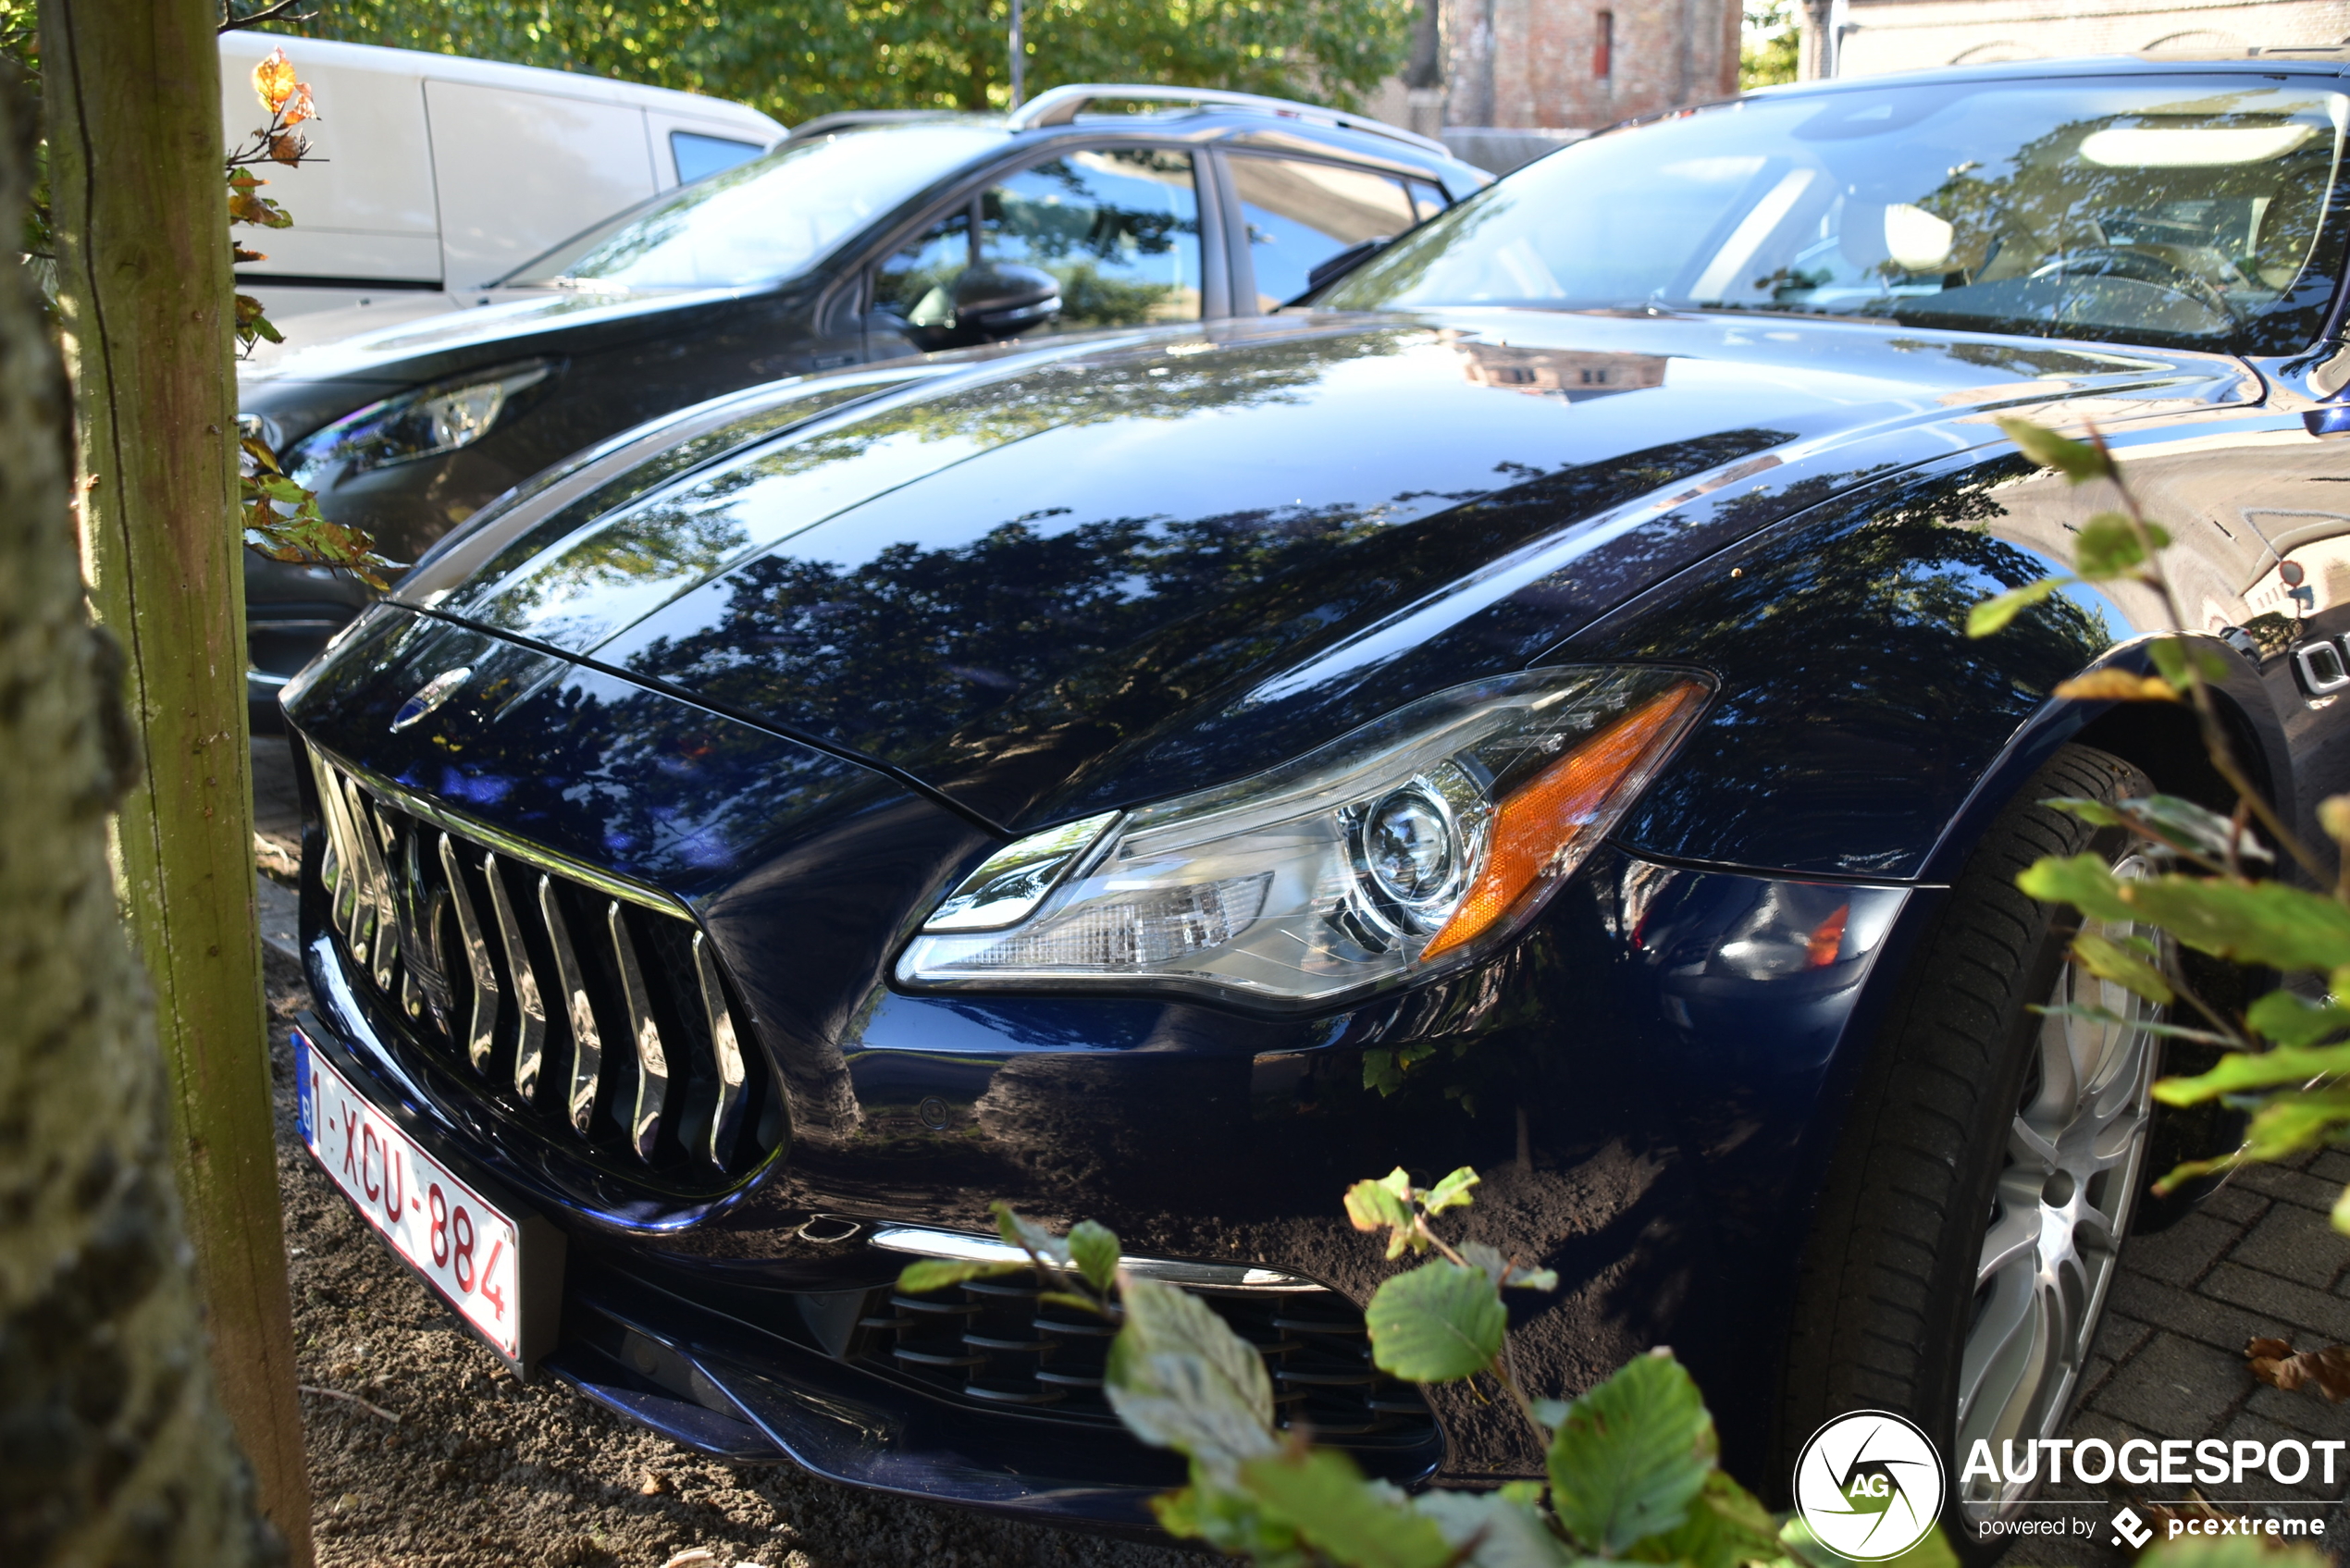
x: 696, y: 154
x: 766, y: 218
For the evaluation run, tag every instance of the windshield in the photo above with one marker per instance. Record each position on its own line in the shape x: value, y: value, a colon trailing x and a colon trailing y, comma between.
x: 766, y: 218
x: 2128, y: 207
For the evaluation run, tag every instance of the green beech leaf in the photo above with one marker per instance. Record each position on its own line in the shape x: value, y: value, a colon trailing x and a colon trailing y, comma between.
x: 1229, y: 1521
x: 1501, y: 1530
x: 2197, y: 829
x: 1380, y: 1205
x: 1804, y: 1548
x: 1321, y: 1493
x: 2170, y: 656
x: 1093, y: 1249
x: 2289, y: 1122
x: 2266, y: 923
x: 1499, y: 1270
x: 2077, y: 461
x: 2108, y: 546
x: 1631, y: 1456
x: 2109, y: 959
x: 2290, y: 1020
x: 1993, y: 614
x: 1180, y: 1379
x: 2106, y: 1015
x: 1028, y: 1233
x: 2231, y: 1552
x: 1438, y: 1323
x: 1452, y: 1192
x: 1726, y: 1527
x: 936, y: 1274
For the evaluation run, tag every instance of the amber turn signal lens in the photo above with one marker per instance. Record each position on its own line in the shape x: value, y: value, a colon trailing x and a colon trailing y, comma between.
x: 1563, y: 807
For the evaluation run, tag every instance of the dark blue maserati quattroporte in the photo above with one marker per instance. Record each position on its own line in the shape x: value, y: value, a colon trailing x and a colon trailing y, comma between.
x: 1514, y: 711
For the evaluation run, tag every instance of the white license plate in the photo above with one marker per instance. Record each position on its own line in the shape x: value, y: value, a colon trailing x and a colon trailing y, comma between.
x: 459, y: 1241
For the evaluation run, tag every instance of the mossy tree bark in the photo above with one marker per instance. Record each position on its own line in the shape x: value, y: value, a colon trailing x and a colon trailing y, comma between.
x: 112, y: 1447
x: 131, y: 93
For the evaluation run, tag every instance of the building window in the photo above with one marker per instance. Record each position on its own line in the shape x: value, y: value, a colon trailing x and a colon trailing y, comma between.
x: 1603, y: 47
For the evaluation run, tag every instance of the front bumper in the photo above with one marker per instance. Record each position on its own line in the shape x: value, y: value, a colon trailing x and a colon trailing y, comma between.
x: 725, y: 1363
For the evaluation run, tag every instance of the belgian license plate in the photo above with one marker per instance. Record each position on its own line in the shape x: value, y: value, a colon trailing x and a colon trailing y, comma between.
x: 457, y: 1239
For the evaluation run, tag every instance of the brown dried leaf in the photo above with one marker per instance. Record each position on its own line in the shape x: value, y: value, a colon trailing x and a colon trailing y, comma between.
x: 2275, y: 1362
x: 2116, y: 685
x: 298, y: 107
x: 239, y: 255
x: 287, y: 148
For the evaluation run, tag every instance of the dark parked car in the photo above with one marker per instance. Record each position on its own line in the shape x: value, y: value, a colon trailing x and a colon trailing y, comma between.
x: 863, y: 238
x: 1516, y: 712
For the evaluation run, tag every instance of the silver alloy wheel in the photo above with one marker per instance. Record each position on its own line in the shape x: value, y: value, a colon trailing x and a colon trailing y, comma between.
x: 2076, y: 1149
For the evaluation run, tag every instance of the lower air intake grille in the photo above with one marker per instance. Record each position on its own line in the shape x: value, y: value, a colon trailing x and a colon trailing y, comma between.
x: 993, y: 1342
x: 606, y: 1019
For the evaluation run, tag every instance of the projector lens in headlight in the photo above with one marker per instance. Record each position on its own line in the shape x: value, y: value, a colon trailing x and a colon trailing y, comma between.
x: 1418, y: 843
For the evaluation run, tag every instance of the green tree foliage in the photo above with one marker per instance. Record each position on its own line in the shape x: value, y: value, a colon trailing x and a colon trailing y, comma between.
x: 2287, y: 1058
x: 797, y: 59
x: 1769, y: 47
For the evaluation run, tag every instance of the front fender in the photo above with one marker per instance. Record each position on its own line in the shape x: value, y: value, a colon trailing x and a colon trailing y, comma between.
x: 1859, y: 731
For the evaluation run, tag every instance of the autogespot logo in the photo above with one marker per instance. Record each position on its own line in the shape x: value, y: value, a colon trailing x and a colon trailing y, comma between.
x: 1869, y: 1486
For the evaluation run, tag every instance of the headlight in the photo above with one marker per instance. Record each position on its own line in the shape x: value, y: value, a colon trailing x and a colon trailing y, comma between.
x: 1419, y: 843
x: 425, y: 422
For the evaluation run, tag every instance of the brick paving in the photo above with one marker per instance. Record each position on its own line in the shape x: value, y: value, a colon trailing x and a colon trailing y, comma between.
x: 2260, y: 1257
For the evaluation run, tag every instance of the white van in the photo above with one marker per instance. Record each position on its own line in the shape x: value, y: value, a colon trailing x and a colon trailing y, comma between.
x: 436, y: 175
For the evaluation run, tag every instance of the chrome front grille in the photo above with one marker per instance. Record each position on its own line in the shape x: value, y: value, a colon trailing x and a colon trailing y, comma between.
x: 994, y: 1342
x: 598, y: 1008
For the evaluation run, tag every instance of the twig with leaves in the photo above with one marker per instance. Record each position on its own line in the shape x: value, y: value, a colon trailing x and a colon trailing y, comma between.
x: 2288, y: 1061
x: 280, y: 516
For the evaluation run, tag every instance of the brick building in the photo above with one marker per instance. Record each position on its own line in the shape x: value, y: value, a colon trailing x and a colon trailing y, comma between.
x: 1864, y: 37
x: 1523, y: 65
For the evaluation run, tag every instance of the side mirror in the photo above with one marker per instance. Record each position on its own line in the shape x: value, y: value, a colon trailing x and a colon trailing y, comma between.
x: 998, y: 298
x: 1346, y: 261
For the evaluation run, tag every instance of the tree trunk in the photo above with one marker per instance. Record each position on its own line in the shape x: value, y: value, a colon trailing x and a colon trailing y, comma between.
x: 112, y: 1447
x: 133, y: 96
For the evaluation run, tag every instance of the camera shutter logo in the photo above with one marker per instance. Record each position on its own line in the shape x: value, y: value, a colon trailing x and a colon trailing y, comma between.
x: 1869, y: 1485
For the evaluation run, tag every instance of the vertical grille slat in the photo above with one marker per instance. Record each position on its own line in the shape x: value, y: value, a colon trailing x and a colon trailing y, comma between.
x: 352, y: 903
x: 653, y: 1062
x: 384, y: 942
x: 482, y: 1025
x: 527, y: 990
x: 587, y: 1045
x: 530, y: 1039
x: 725, y: 1048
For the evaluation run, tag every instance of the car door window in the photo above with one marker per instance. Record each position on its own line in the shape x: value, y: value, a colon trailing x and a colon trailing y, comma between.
x: 1427, y: 202
x: 1301, y: 213
x: 1117, y: 227
x: 914, y: 288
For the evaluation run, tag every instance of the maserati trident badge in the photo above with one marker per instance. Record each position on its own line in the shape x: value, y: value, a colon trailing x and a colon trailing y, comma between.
x: 431, y: 695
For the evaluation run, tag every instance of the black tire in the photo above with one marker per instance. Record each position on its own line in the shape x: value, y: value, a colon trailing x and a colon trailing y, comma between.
x: 1887, y: 1293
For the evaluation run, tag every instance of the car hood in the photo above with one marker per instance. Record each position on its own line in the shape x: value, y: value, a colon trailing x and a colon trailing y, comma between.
x: 423, y: 347
x: 1107, y: 572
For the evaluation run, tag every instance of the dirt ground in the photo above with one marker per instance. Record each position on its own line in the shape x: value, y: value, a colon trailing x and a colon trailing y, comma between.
x: 480, y: 1472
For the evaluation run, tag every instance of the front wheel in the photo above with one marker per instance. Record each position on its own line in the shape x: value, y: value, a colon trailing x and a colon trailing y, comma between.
x: 1994, y: 1156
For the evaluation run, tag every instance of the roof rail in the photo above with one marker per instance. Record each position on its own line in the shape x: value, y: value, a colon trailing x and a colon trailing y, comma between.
x: 859, y: 120
x: 1062, y: 104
